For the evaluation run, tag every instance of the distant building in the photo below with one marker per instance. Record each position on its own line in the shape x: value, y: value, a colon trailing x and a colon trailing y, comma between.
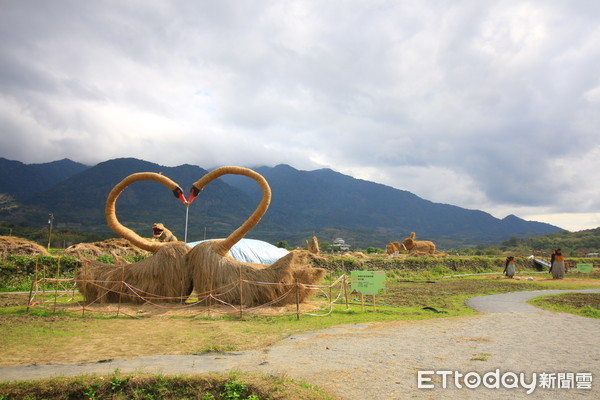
x: 592, y: 255
x: 339, y: 242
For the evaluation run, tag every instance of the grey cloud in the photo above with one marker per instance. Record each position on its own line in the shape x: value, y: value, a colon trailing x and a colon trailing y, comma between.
x: 494, y: 94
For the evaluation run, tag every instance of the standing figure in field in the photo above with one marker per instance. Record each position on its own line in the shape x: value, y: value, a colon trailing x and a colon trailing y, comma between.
x: 421, y: 246
x: 509, y: 268
x: 557, y: 265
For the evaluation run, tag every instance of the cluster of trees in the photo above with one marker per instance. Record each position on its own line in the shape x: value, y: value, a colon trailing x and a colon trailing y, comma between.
x: 58, y: 238
x: 576, y: 244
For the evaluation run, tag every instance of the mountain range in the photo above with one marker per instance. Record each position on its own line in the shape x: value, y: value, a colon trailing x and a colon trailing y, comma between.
x: 323, y: 202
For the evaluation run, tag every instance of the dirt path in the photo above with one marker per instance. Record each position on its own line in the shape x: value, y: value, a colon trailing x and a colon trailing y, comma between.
x: 381, y: 360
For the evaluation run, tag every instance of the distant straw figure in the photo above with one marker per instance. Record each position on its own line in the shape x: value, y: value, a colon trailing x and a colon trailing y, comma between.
x: 509, y: 267
x: 418, y: 246
x: 557, y: 265
x: 215, y: 271
x: 394, y: 248
x: 162, y: 277
x: 313, y: 246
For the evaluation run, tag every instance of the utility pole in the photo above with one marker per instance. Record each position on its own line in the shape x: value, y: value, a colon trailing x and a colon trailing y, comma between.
x: 50, y: 220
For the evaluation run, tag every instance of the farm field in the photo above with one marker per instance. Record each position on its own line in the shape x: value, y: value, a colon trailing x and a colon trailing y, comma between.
x: 43, y: 336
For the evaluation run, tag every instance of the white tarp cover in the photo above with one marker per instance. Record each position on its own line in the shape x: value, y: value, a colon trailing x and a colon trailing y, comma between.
x: 253, y: 251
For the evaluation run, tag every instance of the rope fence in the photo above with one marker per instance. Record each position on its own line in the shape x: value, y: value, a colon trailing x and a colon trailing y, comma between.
x: 63, y: 294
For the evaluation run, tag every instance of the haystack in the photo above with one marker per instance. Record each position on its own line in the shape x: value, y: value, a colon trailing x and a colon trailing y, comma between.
x: 213, y: 268
x: 162, y: 277
x: 11, y: 245
x: 115, y: 246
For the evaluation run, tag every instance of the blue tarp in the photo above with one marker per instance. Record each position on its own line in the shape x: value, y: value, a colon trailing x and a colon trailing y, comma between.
x: 253, y: 251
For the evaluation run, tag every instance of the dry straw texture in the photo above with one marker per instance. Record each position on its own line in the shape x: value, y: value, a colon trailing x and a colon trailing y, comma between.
x: 119, y: 247
x: 10, y: 245
x: 214, y: 269
x: 420, y: 246
x: 162, y: 277
x: 221, y: 276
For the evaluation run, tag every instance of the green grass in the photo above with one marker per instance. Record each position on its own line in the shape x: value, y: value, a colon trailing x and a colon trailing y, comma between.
x: 234, y: 386
x: 583, y: 304
x: 44, y: 333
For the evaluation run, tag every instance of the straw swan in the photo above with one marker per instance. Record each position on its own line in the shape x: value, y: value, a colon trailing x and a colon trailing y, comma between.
x: 213, y: 268
x: 161, y: 277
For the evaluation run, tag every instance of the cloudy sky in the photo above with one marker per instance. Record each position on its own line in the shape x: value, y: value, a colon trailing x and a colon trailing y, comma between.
x: 490, y: 105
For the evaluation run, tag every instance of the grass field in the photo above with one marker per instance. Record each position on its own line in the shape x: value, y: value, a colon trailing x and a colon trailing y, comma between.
x: 43, y: 336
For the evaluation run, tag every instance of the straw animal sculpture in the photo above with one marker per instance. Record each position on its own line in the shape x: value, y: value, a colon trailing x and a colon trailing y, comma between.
x: 421, y: 246
x: 159, y: 278
x: 162, y: 234
x: 213, y: 268
x: 393, y: 247
x: 162, y: 277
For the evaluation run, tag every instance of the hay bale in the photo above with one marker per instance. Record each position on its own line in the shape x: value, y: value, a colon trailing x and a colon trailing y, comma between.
x: 11, y: 245
x: 220, y: 274
x: 118, y: 247
x: 162, y: 277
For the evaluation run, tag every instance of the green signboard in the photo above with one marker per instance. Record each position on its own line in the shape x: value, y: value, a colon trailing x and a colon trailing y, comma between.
x: 368, y: 282
x: 584, y: 268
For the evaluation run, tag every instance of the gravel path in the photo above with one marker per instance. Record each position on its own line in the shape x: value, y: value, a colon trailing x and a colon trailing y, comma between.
x: 382, y: 360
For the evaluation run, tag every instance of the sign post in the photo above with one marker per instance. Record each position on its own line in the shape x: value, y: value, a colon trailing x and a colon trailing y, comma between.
x: 585, y: 268
x: 368, y: 283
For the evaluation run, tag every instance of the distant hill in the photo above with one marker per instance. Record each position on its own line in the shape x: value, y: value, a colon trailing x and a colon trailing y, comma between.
x: 21, y: 180
x: 330, y: 204
x: 323, y: 202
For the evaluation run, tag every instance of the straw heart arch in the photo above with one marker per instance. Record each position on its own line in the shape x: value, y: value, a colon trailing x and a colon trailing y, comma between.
x: 174, y: 269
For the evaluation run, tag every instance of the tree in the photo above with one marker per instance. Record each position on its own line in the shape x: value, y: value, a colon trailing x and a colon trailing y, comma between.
x: 282, y: 244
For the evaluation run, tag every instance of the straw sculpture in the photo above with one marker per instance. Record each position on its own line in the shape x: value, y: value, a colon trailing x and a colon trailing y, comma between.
x: 313, y: 246
x: 213, y: 268
x: 162, y: 234
x: 162, y: 277
x: 421, y: 246
x: 394, y: 247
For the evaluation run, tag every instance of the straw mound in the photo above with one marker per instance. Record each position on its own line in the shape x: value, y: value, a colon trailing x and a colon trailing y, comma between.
x: 221, y: 274
x: 355, y: 254
x: 119, y: 247
x: 18, y: 246
x: 162, y: 277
